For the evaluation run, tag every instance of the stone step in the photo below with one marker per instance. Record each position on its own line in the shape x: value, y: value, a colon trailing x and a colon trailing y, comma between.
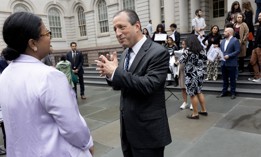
x: 244, y: 84
x: 242, y: 76
x: 95, y: 83
x: 94, y: 78
x: 241, y: 92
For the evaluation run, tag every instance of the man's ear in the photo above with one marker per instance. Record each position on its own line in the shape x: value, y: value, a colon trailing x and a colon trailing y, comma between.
x: 138, y: 26
x: 32, y: 44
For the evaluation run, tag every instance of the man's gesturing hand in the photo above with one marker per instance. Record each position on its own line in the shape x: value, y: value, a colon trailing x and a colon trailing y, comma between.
x: 107, y: 65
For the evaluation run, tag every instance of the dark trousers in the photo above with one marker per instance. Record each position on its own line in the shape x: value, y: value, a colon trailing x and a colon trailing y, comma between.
x: 80, y: 76
x: 241, y: 63
x: 229, y: 75
x: 130, y: 151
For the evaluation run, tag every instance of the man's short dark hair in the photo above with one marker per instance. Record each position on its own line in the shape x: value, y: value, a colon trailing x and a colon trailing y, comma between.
x: 73, y: 43
x: 133, y: 17
x: 173, y: 25
x: 197, y: 11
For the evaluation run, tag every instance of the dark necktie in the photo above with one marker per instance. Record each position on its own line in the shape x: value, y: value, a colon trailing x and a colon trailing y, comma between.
x: 127, y: 61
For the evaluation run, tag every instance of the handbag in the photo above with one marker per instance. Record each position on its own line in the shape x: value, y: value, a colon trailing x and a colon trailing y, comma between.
x: 250, y: 36
x: 74, y: 78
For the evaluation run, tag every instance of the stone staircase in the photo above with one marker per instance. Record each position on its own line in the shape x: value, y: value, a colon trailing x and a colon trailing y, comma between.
x: 245, y: 88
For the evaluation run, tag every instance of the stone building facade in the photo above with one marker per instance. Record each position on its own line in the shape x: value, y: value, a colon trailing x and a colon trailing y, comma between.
x: 89, y: 22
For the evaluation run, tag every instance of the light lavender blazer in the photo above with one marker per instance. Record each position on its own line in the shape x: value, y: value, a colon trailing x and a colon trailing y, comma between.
x: 40, y: 112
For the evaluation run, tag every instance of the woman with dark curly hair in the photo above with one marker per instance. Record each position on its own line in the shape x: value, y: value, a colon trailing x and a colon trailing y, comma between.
x: 213, y: 38
x: 194, y: 58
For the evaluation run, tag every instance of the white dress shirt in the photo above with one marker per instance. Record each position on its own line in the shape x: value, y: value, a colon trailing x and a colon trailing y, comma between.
x: 226, y: 43
x: 135, y: 49
x: 173, y: 35
x: 199, y: 22
x: 40, y: 112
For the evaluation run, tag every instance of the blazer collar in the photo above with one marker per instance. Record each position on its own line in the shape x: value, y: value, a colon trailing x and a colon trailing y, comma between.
x: 140, y: 54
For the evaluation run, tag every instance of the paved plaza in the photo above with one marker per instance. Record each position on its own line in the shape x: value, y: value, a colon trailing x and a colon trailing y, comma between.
x: 232, y: 129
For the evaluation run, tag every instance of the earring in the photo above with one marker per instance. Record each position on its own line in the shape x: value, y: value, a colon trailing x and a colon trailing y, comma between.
x: 35, y: 49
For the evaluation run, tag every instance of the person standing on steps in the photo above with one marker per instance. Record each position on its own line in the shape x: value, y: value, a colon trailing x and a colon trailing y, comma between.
x: 230, y: 47
x: 77, y: 60
x: 193, y: 58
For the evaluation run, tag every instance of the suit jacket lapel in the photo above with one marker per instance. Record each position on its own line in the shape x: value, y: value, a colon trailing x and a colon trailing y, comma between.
x: 222, y: 46
x: 140, y: 55
x: 121, y: 64
x: 228, y: 45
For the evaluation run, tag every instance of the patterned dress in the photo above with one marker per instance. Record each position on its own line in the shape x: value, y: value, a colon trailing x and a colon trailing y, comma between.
x: 194, y: 72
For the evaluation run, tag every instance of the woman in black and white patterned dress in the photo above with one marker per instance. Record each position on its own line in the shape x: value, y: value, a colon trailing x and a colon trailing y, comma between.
x: 194, y: 58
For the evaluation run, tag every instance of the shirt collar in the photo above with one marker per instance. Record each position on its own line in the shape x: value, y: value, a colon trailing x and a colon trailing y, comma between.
x: 138, y: 45
x: 26, y: 58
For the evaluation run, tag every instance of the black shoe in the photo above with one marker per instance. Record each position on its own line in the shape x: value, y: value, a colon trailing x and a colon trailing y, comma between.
x: 233, y: 97
x: 221, y: 95
x: 203, y: 113
x: 193, y: 117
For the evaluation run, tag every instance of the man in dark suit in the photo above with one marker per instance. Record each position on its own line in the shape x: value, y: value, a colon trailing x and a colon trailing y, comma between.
x: 230, y: 47
x: 76, y: 59
x: 140, y: 75
x: 175, y: 34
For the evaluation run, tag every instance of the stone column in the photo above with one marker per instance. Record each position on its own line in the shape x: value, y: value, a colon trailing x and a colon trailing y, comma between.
x: 184, y: 16
x: 169, y: 6
x: 194, y: 5
x: 155, y: 13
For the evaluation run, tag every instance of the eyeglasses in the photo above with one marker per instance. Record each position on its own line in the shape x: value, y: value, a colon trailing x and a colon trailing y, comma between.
x: 48, y: 33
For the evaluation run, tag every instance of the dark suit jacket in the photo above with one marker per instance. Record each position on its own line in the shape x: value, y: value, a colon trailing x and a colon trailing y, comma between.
x: 142, y: 101
x: 177, y: 39
x: 77, y: 63
x: 233, y: 50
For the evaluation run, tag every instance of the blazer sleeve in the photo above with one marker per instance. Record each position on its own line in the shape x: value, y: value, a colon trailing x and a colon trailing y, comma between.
x: 58, y: 99
x: 68, y: 57
x: 81, y: 60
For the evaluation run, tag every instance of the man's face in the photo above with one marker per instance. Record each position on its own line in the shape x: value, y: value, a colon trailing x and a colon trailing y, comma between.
x: 239, y: 18
x: 125, y: 32
x: 73, y: 47
x: 172, y: 29
x: 226, y: 33
x: 200, y: 13
x: 214, y: 30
